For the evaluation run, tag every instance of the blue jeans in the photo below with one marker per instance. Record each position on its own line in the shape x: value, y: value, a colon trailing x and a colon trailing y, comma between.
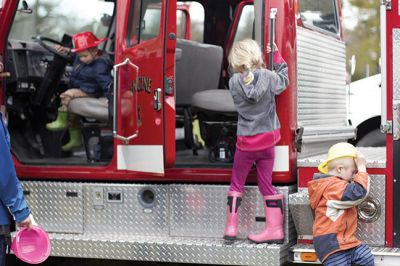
x: 360, y: 255
x: 3, y: 246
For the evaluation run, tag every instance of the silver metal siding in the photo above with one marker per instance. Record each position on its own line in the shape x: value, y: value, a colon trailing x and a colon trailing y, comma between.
x: 376, y: 158
x: 184, y: 225
x: 127, y: 217
x: 372, y: 233
x: 321, y: 79
x: 396, y: 83
x: 52, y: 208
x: 195, y: 208
x: 396, y: 64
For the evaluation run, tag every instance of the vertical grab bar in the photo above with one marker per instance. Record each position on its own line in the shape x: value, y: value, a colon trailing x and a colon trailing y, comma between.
x: 272, y: 20
x: 385, y: 128
x: 115, y: 101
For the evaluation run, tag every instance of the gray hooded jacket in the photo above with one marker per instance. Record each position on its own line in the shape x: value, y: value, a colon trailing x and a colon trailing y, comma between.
x: 255, y: 103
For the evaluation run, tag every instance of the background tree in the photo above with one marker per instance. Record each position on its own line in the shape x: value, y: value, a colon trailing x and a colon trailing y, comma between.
x: 54, y: 18
x: 363, y: 40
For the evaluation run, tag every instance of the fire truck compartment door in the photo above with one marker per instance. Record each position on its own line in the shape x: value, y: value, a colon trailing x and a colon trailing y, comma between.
x: 142, y: 38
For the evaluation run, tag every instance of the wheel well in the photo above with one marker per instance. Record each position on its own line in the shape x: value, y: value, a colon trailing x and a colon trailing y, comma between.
x: 367, y: 126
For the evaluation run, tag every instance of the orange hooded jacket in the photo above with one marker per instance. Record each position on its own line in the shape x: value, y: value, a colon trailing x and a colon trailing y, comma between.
x: 334, y: 201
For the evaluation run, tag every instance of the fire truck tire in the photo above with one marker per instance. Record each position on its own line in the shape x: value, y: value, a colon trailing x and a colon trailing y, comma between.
x: 374, y: 138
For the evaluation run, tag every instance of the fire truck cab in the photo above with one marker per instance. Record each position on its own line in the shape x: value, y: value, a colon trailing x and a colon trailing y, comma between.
x: 150, y: 182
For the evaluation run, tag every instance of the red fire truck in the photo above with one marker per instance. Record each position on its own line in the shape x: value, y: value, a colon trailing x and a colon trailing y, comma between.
x: 144, y: 187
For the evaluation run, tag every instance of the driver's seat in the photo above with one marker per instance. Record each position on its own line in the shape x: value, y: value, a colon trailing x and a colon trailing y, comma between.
x: 96, y: 128
x: 91, y: 108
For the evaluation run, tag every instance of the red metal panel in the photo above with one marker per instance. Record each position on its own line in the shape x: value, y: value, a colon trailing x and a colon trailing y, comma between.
x: 392, y: 21
x: 286, y: 103
x: 169, y: 103
x: 7, y: 12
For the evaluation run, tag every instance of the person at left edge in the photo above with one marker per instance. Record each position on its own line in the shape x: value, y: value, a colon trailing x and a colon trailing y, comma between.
x: 11, y: 194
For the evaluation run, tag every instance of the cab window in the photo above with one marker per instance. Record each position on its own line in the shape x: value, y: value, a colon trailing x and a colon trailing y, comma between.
x: 151, y: 21
x: 245, y: 28
x: 197, y: 16
x: 144, y: 22
x: 181, y: 24
x: 321, y: 14
x: 53, y: 19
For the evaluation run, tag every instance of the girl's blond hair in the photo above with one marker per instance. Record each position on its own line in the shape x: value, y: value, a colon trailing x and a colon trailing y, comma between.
x: 245, y: 56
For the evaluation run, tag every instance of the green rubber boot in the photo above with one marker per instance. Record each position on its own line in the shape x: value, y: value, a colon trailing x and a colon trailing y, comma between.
x: 75, y: 140
x: 60, y: 123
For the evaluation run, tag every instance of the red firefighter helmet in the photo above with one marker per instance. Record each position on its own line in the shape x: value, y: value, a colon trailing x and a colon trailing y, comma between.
x: 85, y: 40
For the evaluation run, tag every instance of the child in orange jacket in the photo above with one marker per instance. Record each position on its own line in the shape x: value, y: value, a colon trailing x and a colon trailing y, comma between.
x: 334, y: 194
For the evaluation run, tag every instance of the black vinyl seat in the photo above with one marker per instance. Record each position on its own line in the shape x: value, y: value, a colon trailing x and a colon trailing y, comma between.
x: 198, y: 68
x: 218, y: 122
x: 96, y: 126
x: 92, y: 108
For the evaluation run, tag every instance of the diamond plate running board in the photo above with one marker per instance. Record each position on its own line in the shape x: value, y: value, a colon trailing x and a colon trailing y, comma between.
x: 168, y: 249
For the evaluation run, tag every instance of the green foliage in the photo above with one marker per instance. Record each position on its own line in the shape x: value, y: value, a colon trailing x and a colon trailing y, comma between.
x: 363, y: 41
x: 54, y: 18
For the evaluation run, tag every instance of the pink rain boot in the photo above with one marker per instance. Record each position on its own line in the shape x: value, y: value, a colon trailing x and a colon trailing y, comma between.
x: 273, y: 231
x: 232, y: 209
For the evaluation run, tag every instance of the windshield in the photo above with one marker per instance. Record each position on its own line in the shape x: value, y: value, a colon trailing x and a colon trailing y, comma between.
x: 54, y: 18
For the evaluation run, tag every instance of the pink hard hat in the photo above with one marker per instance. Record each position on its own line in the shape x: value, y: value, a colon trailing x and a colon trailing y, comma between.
x: 85, y: 40
x: 31, y: 245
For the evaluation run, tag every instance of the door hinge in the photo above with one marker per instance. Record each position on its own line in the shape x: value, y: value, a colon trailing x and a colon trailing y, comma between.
x: 298, y: 139
x: 169, y: 86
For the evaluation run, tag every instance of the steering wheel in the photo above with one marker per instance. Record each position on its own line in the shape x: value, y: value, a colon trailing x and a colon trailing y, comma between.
x: 53, y: 73
x: 43, y: 42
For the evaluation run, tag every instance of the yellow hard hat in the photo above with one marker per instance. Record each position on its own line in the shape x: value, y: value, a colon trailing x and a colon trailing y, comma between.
x: 338, y: 150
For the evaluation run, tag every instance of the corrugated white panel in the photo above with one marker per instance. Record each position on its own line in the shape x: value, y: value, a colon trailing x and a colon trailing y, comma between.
x: 321, y: 79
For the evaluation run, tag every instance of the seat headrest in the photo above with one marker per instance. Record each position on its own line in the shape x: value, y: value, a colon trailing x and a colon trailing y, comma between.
x: 198, y: 69
x: 214, y: 100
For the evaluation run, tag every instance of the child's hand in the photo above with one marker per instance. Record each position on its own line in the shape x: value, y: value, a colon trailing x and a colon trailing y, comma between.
x: 26, y: 223
x: 62, y: 49
x: 3, y: 74
x: 361, y: 162
x: 269, y: 48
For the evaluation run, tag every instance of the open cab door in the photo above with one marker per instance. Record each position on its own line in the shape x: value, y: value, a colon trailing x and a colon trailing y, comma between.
x: 7, y: 8
x: 140, y: 135
x: 144, y: 112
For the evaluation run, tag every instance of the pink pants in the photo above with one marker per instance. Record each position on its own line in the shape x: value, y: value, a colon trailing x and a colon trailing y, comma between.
x: 242, y: 164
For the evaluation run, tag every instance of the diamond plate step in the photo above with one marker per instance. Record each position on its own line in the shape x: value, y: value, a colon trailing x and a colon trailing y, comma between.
x: 168, y: 249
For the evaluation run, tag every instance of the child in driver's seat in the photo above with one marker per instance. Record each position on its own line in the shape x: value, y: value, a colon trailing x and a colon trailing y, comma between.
x: 90, y: 77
